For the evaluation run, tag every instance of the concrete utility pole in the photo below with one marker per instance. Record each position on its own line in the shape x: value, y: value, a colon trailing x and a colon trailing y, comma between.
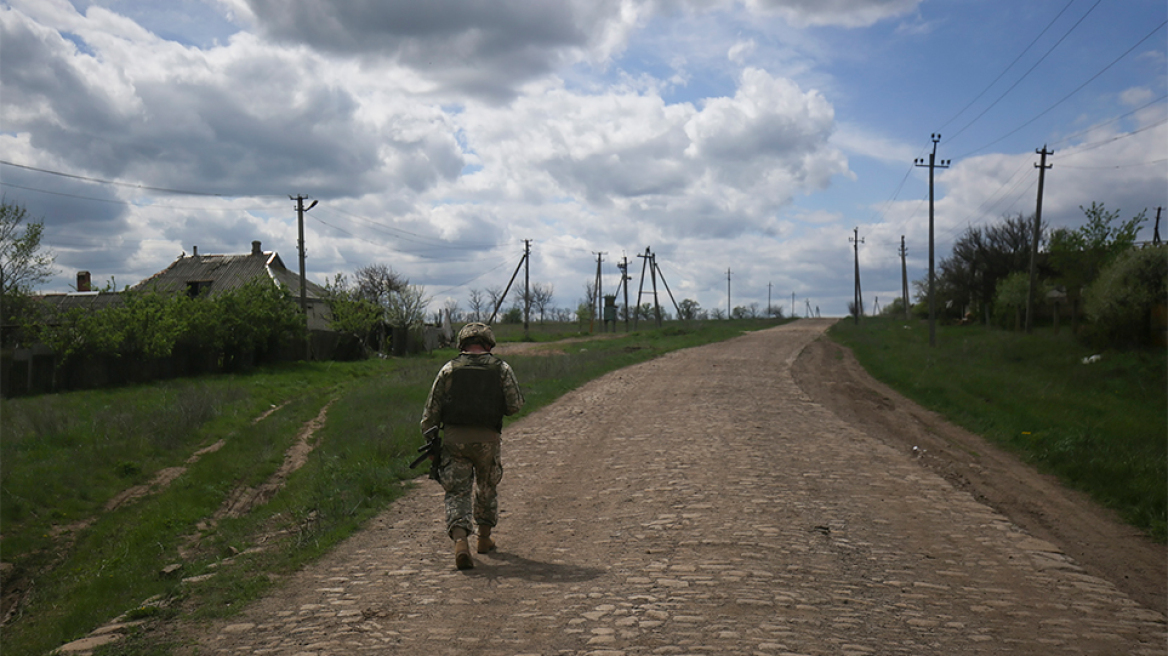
x: 792, y: 304
x: 728, y: 310
x: 857, y: 295
x: 1030, y: 291
x: 904, y: 277
x: 300, y: 210
x: 625, y: 278
x: 640, y: 287
x: 526, y: 286
x: 769, y: 313
x: 932, y: 164
x: 598, y: 302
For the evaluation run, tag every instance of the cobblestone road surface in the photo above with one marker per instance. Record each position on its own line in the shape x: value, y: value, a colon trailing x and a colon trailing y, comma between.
x: 700, y: 503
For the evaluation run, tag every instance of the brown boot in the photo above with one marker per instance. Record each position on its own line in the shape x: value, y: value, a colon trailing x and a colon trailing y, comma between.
x: 462, y: 559
x: 486, y: 544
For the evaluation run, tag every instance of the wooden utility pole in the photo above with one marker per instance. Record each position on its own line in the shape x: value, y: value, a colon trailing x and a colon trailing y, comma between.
x: 300, y: 210
x: 904, y: 277
x: 857, y: 295
x: 1030, y: 292
x: 1156, y: 229
x: 932, y: 164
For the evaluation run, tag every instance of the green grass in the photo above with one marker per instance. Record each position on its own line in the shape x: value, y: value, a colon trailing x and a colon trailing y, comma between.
x: 1101, y: 428
x: 64, y: 456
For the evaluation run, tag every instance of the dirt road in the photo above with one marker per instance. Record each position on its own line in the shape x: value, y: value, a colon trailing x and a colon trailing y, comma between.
x: 712, y: 501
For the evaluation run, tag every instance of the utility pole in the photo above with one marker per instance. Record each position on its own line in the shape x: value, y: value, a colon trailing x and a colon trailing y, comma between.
x: 1042, y: 167
x: 503, y: 297
x: 857, y: 296
x: 526, y: 287
x: 300, y: 210
x: 932, y: 164
x: 598, y: 301
x: 904, y: 277
x: 768, y: 299
x: 792, y: 305
x: 728, y: 310
x: 625, y: 278
x: 676, y: 308
x: 1156, y: 229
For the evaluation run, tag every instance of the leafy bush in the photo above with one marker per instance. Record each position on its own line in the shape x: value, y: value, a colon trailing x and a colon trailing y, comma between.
x: 1121, y: 301
x: 255, y: 318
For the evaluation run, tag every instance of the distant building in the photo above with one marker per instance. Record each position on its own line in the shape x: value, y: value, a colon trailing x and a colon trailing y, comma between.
x: 214, y: 274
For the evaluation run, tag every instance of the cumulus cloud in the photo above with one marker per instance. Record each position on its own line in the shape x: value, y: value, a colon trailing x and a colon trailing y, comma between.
x: 842, y: 13
x: 718, y: 169
x: 483, y: 48
x: 244, y: 118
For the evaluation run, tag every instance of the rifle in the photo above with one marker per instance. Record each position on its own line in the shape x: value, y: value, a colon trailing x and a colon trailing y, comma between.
x: 431, y: 450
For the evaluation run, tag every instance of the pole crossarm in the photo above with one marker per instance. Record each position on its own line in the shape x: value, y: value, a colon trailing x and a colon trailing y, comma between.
x: 932, y: 164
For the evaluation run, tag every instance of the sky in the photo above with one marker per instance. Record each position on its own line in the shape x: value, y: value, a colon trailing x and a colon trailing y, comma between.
x: 744, y: 143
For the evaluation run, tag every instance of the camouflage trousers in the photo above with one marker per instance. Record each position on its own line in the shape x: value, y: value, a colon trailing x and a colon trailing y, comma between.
x: 469, y: 474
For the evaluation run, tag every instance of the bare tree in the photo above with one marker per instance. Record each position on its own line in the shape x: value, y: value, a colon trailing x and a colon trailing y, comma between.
x: 495, y: 294
x: 377, y: 282
x: 477, y: 302
x: 541, y: 298
x: 451, y: 306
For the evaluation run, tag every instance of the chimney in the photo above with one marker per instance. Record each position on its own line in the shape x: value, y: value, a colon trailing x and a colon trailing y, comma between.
x: 255, y: 248
x: 196, y: 253
x: 83, y: 281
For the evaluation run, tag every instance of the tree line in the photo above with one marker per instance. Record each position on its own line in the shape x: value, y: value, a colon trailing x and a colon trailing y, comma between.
x: 1097, y: 274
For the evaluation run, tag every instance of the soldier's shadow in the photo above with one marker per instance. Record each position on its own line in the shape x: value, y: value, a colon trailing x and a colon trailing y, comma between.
x: 503, y: 565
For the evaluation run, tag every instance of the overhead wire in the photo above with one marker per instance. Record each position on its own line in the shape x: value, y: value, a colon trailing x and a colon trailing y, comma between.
x: 1011, y: 65
x: 1072, y: 93
x: 1029, y: 70
x: 132, y: 185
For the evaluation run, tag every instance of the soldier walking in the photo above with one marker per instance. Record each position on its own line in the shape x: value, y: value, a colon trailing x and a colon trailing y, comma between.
x: 470, y: 396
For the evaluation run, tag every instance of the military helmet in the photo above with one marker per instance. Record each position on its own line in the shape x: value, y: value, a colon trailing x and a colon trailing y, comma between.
x: 476, y: 332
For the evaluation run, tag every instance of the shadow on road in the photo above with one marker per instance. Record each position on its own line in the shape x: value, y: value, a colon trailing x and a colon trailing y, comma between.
x: 502, y: 565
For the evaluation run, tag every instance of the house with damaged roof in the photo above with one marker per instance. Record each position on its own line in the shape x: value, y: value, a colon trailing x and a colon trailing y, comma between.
x: 197, y: 274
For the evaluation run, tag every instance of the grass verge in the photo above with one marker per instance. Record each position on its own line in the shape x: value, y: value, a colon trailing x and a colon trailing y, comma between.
x: 1099, y: 426
x: 75, y: 565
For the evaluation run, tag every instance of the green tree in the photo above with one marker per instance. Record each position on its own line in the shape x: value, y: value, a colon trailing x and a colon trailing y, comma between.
x: 1077, y: 256
x: 1122, y: 300
x: 982, y: 256
x: 353, y: 314
x: 688, y: 309
x: 1011, y: 297
x: 23, y: 262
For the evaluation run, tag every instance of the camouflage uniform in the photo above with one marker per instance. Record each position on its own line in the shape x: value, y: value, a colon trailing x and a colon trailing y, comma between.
x: 470, y: 454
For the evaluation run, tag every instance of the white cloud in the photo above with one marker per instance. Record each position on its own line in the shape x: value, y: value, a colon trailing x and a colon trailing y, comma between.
x: 843, y: 13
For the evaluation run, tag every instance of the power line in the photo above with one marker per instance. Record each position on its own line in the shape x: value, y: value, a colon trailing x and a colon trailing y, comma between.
x: 1007, y: 69
x: 1067, y: 138
x: 131, y: 185
x: 1030, y: 70
x: 1068, y: 96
